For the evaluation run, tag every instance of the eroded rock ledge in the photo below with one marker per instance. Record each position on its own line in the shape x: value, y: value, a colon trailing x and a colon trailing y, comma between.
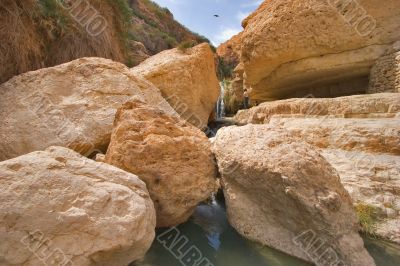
x: 294, y: 48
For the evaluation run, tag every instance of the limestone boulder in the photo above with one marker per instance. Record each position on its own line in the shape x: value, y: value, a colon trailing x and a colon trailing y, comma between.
x: 71, y: 105
x: 187, y: 80
x: 59, y: 208
x: 283, y: 193
x: 171, y: 156
x: 323, y: 47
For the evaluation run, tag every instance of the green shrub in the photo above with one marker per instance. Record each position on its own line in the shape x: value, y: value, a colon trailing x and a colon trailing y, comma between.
x: 124, y: 10
x: 225, y: 70
x: 213, y: 48
x: 368, y: 217
x: 232, y: 104
x: 53, y: 17
x: 183, y: 46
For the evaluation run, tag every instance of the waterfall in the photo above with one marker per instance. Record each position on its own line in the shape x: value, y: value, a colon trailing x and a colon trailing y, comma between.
x: 220, y: 103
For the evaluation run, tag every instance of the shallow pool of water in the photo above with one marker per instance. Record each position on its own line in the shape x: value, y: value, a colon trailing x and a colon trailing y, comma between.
x: 212, y: 241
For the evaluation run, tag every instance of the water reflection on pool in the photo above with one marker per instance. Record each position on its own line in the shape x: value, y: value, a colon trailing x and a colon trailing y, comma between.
x: 209, y: 233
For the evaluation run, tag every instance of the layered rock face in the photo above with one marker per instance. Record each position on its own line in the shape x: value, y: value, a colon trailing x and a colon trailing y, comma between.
x: 71, y: 105
x: 359, y: 136
x: 173, y: 157
x: 327, y: 48
x: 357, y: 106
x: 58, y: 207
x: 186, y: 79
x: 280, y: 191
x: 385, y: 74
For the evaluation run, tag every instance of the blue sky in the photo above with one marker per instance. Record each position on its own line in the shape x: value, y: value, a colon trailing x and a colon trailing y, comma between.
x: 198, y: 16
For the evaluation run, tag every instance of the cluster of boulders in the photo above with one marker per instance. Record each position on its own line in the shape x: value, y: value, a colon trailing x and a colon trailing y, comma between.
x: 156, y: 166
x: 321, y: 51
x: 58, y: 206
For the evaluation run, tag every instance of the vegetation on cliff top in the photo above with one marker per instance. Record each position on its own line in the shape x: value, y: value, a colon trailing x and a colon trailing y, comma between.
x: 42, y: 33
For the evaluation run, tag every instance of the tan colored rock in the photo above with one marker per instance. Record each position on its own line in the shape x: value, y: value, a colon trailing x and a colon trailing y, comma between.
x: 370, y: 178
x: 71, y: 105
x: 100, y: 157
x: 356, y: 106
x: 137, y: 52
x: 324, y: 47
x: 282, y: 193
x: 359, y: 136
x: 173, y: 157
x: 385, y: 74
x: 186, y: 79
x: 366, y: 153
x: 230, y: 50
x: 372, y: 135
x: 57, y: 207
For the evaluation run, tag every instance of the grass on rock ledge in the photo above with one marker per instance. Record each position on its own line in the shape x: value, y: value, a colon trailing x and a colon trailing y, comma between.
x: 368, y: 217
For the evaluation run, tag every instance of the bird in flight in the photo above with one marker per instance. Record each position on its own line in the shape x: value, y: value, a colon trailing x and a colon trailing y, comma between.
x: 217, y: 16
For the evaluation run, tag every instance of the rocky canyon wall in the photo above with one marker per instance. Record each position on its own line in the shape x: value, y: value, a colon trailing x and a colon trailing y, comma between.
x: 385, y: 74
x: 320, y: 47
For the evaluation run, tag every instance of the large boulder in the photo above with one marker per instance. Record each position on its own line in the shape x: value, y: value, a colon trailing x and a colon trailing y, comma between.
x: 187, y: 79
x: 71, y: 105
x: 59, y: 208
x: 360, y: 137
x: 366, y: 153
x: 323, y: 47
x: 171, y: 156
x: 282, y: 193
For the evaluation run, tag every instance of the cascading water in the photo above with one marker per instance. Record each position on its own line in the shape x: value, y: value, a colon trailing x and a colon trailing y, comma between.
x: 221, y: 104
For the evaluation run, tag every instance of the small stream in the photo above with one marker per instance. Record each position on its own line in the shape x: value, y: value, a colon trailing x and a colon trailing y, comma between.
x: 215, y: 242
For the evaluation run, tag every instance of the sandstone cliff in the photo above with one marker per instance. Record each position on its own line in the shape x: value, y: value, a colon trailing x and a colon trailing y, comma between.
x: 325, y: 48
